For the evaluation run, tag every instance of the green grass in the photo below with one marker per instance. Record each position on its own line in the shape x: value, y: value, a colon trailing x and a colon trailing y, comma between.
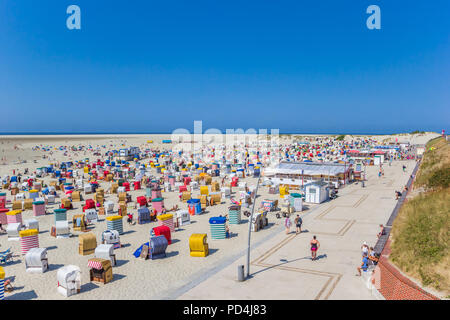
x: 434, y: 170
x: 421, y: 236
x: 421, y: 231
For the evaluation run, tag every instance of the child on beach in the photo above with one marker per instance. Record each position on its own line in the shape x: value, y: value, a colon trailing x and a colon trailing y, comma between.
x: 130, y: 218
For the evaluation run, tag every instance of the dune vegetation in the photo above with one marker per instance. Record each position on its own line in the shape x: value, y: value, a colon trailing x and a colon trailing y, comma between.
x: 421, y: 231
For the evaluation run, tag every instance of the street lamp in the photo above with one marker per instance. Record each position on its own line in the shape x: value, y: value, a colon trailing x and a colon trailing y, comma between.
x: 250, y: 229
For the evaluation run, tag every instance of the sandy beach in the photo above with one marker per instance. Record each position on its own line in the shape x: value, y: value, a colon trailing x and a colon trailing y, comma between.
x: 133, y: 278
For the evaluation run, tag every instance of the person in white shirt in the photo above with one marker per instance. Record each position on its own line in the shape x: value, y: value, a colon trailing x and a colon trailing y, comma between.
x: 365, y: 249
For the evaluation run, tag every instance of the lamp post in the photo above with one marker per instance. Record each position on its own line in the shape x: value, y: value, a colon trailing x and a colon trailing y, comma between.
x: 250, y: 229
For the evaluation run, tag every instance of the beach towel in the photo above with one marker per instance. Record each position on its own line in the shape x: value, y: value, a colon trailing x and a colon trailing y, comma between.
x: 137, y: 253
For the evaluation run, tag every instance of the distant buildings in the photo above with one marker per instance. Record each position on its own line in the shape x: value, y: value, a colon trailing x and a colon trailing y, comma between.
x: 369, y: 157
x: 129, y: 153
x: 296, y: 175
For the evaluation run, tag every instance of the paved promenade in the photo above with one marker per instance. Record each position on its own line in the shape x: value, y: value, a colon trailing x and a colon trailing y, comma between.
x: 282, y: 268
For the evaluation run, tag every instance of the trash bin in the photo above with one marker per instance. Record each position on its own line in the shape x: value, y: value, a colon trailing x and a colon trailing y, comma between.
x: 241, y: 273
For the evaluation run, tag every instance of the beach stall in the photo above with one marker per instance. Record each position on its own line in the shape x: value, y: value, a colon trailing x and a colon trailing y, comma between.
x: 123, y: 208
x: 87, y: 188
x: 79, y: 222
x: 90, y: 204
x: 182, y: 188
x: 111, y: 237
x: 62, y: 229
x: 143, y: 215
x: 122, y: 196
x: 69, y: 280
x: 66, y: 204
x: 215, y: 198
x: 142, y: 201
x: 2, y: 284
x: 60, y: 215
x: 194, y: 206
x: 215, y: 187
x: 28, y: 204
x: 106, y: 251
x: 162, y: 231
x: 87, y: 244
x: 20, y: 197
x: 115, y: 223
x: 316, y: 192
x: 259, y: 221
x: 33, y: 194
x: 234, y: 214
x: 3, y: 219
x: 217, y: 228
x: 158, y: 205
x: 91, y: 215
x: 194, y: 185
x: 17, y: 205
x: 185, y: 196
x: 2, y: 200
x: 269, y: 205
x: 296, y: 201
x: 76, y: 196
x: 284, y: 190
x: 198, y: 245
x: 157, y: 247
x: 166, y: 220
x: 226, y: 192
x: 28, y: 239
x: 14, y: 216
x: 38, y: 208
x: 13, y: 230
x: 204, y: 190
x: 109, y: 207
x: 36, y: 260
x: 100, y: 270
x: 32, y: 224
x: 156, y: 193
x: 50, y: 199
x: 183, y: 218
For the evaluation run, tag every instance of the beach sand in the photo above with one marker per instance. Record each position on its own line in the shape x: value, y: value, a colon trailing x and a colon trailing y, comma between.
x: 133, y: 278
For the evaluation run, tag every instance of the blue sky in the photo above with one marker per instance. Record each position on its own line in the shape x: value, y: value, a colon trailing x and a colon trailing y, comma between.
x: 153, y: 66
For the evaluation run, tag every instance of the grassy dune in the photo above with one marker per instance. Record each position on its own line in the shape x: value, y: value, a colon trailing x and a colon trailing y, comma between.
x: 421, y: 232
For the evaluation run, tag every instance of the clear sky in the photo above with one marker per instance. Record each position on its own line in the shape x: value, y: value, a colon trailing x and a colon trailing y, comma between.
x: 153, y: 66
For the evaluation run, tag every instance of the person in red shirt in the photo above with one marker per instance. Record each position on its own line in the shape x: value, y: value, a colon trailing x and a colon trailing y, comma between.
x: 130, y: 218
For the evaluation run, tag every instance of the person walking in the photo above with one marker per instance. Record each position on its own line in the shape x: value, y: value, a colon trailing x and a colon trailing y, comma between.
x: 315, y: 245
x: 298, y: 224
x: 287, y: 224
